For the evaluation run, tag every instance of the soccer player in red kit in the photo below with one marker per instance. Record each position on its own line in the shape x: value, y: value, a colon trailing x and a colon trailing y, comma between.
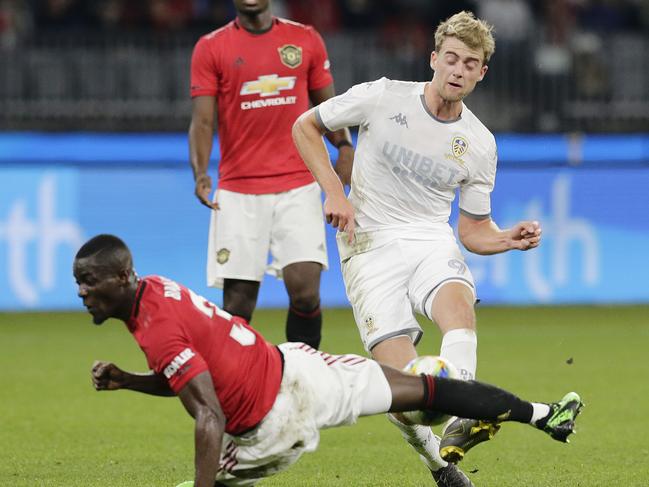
x: 259, y: 73
x: 258, y: 407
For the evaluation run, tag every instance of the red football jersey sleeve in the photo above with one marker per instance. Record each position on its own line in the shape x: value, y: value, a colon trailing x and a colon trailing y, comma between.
x: 204, y: 72
x: 182, y: 335
x: 319, y: 74
x: 261, y: 83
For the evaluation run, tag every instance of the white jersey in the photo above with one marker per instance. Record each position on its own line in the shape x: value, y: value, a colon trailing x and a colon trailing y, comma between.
x: 408, y: 164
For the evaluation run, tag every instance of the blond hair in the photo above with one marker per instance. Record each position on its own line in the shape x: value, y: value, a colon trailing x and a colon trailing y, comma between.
x: 475, y: 33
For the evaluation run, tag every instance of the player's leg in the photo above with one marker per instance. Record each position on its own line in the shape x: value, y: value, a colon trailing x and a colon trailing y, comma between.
x: 240, y: 297
x: 452, y: 309
x: 442, y: 289
x: 239, y: 239
x: 299, y: 253
x: 376, y: 285
x: 304, y: 320
x: 397, y: 352
x: 481, y: 401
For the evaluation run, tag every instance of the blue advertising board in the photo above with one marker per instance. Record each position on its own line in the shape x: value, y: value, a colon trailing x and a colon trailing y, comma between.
x: 594, y: 218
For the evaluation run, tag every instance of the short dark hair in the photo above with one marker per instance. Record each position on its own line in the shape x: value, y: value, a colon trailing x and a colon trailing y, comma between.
x: 110, y: 250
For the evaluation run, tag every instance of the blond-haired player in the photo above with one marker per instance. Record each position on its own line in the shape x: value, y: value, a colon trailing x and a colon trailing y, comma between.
x: 418, y: 143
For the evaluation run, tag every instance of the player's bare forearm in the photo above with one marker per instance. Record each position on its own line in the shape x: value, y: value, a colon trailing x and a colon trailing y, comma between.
x: 200, y: 146
x: 307, y: 136
x: 151, y: 383
x: 201, y: 132
x: 483, y: 237
x: 208, y: 438
x: 340, y: 139
x: 106, y: 376
x: 200, y: 401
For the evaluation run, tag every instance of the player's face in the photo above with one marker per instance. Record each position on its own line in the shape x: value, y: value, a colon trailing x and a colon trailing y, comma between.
x: 101, y: 291
x: 457, y: 69
x: 251, y: 7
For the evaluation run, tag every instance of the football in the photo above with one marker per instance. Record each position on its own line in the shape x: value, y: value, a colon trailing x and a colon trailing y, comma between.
x: 432, y: 365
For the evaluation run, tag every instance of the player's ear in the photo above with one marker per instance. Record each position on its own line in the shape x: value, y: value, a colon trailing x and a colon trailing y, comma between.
x: 124, y: 277
x: 433, y: 60
x: 483, y: 71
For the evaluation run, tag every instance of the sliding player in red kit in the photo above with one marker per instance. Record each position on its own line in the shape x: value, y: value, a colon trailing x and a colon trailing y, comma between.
x: 192, y: 336
x: 257, y: 407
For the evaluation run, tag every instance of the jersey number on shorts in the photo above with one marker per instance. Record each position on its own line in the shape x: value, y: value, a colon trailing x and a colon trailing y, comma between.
x: 239, y: 333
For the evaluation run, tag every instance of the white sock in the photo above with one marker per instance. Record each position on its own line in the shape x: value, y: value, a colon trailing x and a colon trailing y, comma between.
x: 460, y: 346
x: 423, y: 440
x: 539, y: 411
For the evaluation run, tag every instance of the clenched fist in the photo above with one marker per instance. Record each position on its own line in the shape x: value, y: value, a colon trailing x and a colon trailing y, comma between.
x: 107, y: 376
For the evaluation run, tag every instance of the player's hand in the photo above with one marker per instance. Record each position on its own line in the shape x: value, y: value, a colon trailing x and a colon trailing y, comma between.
x: 344, y: 164
x: 525, y: 235
x: 203, y: 190
x: 107, y: 376
x: 340, y: 213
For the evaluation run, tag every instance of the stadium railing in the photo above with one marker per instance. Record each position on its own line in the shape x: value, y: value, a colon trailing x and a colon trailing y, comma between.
x: 136, y: 81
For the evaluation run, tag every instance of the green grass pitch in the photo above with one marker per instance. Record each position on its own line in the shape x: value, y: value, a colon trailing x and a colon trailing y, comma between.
x: 55, y: 430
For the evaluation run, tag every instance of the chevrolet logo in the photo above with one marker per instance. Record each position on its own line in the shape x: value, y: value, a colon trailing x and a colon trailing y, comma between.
x: 268, y: 85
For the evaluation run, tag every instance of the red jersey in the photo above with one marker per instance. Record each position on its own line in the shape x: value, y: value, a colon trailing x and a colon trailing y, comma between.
x: 182, y: 335
x: 261, y: 83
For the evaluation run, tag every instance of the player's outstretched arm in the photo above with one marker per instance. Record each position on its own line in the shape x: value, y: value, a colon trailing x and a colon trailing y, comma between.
x: 482, y: 236
x: 340, y: 139
x: 201, y: 403
x: 201, y: 133
x: 307, y: 135
x: 107, y: 376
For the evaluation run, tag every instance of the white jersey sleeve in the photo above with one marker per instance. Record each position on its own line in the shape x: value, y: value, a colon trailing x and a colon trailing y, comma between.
x: 475, y: 192
x: 352, y: 108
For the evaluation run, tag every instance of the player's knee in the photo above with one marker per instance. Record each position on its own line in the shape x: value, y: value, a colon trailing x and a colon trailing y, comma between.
x: 239, y: 305
x: 465, y: 316
x: 453, y: 307
x: 305, y: 299
x: 244, y: 312
x: 459, y: 314
x: 462, y: 314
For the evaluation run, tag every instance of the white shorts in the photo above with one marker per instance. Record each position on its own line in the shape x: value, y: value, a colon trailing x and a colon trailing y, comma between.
x: 386, y: 285
x: 318, y: 391
x: 289, y: 225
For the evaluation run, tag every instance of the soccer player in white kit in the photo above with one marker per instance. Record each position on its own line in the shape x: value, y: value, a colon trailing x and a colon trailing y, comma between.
x: 417, y: 144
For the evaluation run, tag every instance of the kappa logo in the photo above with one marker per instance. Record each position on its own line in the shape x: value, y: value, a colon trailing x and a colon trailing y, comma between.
x: 400, y: 119
x: 178, y: 361
x: 268, y: 85
x: 290, y: 55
